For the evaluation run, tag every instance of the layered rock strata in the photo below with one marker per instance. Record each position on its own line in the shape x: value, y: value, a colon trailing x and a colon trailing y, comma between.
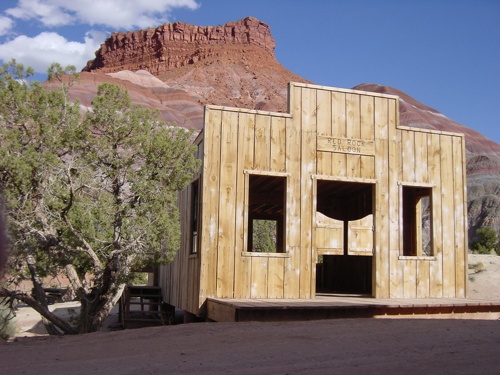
x: 175, y: 45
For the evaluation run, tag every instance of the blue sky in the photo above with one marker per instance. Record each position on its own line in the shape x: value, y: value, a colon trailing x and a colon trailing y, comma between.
x: 444, y: 53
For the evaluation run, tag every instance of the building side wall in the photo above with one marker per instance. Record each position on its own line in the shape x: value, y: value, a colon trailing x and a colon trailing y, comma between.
x: 180, y: 279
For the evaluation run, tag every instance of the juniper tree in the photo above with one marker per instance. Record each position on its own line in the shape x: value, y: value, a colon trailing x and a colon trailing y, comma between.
x: 90, y: 195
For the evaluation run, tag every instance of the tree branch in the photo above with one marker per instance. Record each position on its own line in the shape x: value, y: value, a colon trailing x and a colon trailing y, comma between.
x: 44, y: 312
x: 87, y: 248
x: 80, y: 289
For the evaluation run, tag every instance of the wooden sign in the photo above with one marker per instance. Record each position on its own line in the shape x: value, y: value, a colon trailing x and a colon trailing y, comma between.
x: 346, y: 145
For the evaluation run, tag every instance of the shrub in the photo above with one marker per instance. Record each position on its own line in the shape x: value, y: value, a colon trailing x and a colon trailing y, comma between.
x: 486, y: 242
x: 7, y: 323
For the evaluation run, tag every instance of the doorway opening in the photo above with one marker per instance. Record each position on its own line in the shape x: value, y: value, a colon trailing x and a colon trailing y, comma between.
x: 344, y: 236
x: 344, y: 274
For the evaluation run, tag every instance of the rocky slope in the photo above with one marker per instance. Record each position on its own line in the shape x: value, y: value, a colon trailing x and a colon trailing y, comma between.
x: 177, y: 68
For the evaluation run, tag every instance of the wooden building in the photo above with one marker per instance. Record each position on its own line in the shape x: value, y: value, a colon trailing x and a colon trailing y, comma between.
x: 352, y: 203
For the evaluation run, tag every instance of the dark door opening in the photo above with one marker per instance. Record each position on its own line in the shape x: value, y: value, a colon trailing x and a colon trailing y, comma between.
x: 349, y: 274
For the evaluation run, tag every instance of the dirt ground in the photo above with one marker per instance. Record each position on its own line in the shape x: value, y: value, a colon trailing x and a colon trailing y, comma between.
x: 345, y: 346
x: 484, y: 277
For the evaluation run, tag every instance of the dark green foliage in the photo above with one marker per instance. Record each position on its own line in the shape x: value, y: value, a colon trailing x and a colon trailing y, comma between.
x: 264, y: 236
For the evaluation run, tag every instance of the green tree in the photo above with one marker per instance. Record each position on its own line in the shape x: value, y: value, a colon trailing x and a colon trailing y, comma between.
x: 264, y: 236
x: 92, y: 195
x: 486, y: 241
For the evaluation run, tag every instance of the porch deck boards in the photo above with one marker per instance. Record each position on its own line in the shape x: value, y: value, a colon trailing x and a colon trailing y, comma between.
x: 350, y: 306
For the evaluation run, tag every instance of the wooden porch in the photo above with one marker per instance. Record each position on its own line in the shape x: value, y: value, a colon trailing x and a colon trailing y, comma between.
x: 330, y: 306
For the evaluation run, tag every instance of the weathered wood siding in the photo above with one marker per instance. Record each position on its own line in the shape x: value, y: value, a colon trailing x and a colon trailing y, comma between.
x: 333, y: 135
x: 180, y: 279
x: 239, y: 142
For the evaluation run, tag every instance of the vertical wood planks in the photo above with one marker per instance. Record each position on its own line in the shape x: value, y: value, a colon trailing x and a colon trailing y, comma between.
x: 210, y: 204
x: 275, y: 285
x: 183, y: 268
x: 307, y: 170
x: 227, y: 204
x: 367, y: 163
x: 381, y: 256
x: 339, y: 161
x: 395, y: 167
x: 278, y: 144
x: 324, y: 128
x: 262, y: 154
x: 464, y: 223
x: 353, y: 131
x: 194, y: 284
x: 409, y: 277
x: 459, y: 201
x: 421, y: 164
x: 423, y: 281
x: 260, y: 268
x: 447, y: 212
x: 360, y: 236
x: 436, y: 267
x: 419, y: 174
x: 293, y: 208
x: 408, y: 156
x: 242, y: 266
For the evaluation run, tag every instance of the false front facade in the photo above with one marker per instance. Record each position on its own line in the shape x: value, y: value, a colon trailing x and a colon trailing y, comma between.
x: 333, y: 196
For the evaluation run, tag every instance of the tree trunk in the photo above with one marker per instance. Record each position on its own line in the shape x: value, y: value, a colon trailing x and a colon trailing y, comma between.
x: 98, y: 304
x: 40, y: 296
x: 96, y: 308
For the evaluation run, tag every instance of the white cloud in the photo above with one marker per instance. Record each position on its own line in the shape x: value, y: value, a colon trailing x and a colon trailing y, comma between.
x: 118, y: 14
x: 41, y: 50
x: 6, y: 25
x: 48, y: 47
x: 48, y: 13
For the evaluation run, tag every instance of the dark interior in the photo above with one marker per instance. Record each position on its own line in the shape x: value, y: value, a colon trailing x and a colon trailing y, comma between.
x: 346, y: 274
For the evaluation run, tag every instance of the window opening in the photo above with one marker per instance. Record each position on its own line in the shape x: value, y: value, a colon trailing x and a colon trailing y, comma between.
x: 417, y: 221
x: 194, y: 216
x: 266, y: 214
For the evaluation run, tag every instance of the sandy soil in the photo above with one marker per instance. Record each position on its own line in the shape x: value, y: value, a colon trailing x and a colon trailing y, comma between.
x: 348, y: 346
x: 484, y: 277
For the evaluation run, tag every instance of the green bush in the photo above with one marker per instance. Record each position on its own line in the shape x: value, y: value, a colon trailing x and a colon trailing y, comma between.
x: 487, y: 241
